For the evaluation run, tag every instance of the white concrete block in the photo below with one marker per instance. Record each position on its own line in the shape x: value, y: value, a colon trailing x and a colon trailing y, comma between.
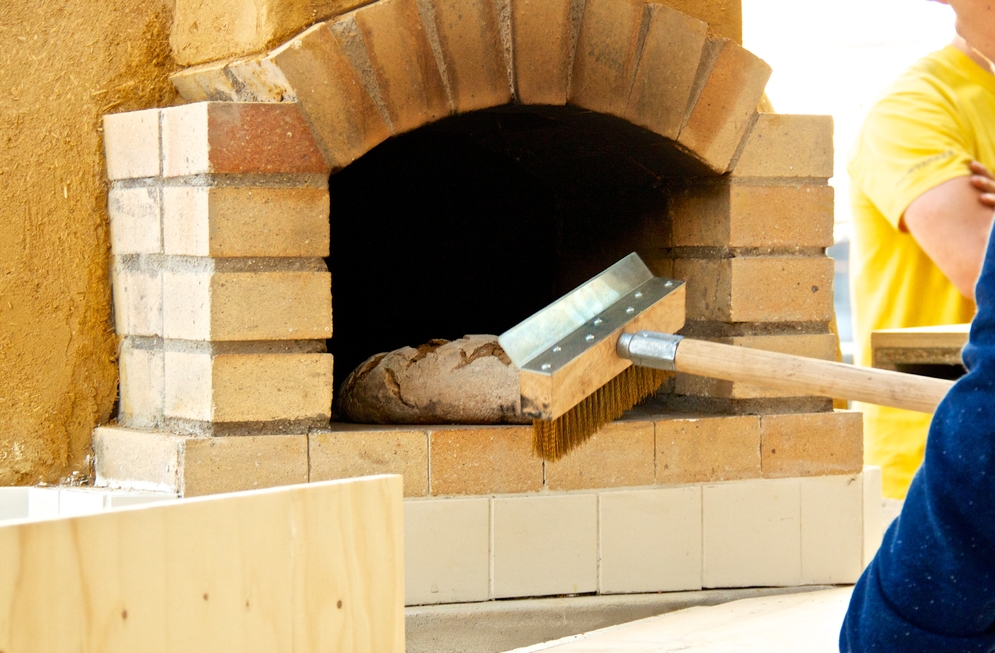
x: 137, y: 301
x: 650, y: 540
x: 873, y: 512
x: 134, y: 220
x: 141, y: 396
x: 43, y: 502
x: 446, y: 551
x: 131, y: 144
x: 542, y: 545
x: 751, y: 534
x: 832, y: 529
x: 14, y: 502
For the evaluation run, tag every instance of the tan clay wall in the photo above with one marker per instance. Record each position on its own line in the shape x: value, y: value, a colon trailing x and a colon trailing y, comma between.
x: 210, y: 30
x: 63, y: 63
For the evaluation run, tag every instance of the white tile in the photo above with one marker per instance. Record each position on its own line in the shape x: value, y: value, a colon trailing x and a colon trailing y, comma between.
x: 81, y: 501
x: 14, y: 502
x: 832, y: 529
x: 43, y: 502
x: 134, y: 220
x: 650, y: 540
x: 544, y: 545
x: 751, y: 533
x: 121, y: 499
x: 873, y: 512
x: 446, y: 551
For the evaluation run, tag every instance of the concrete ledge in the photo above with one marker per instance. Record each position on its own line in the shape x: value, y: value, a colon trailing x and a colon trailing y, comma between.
x: 495, y: 626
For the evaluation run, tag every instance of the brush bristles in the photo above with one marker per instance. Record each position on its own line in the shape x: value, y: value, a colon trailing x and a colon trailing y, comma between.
x: 551, y: 440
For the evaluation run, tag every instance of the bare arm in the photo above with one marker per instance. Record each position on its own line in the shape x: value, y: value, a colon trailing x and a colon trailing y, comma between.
x: 951, y: 223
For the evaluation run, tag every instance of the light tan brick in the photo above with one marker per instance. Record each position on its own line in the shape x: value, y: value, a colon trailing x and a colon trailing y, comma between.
x: 403, y: 61
x: 233, y: 464
x: 783, y: 145
x: 812, y: 444
x: 822, y: 346
x: 486, y: 460
x: 605, y: 61
x: 131, y: 144
x: 366, y: 451
x: 261, y: 305
x: 707, y: 449
x: 137, y: 460
x: 245, y: 221
x: 473, y: 53
x: 134, y: 221
x: 206, y: 82
x: 734, y: 215
x: 758, y: 289
x: 259, y: 79
x: 141, y: 395
x: 248, y: 387
x: 724, y: 110
x: 620, y: 455
x: 666, y: 71
x: 238, y: 137
x: 345, y: 119
x: 137, y: 299
x: 542, y: 42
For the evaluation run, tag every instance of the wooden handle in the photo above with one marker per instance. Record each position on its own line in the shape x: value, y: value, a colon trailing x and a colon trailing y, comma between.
x: 811, y: 375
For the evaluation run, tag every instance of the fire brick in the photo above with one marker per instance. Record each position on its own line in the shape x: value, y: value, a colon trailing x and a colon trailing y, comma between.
x: 245, y: 221
x: 238, y: 137
x: 343, y: 116
x: 723, y: 111
x: 812, y: 444
x: 666, y: 71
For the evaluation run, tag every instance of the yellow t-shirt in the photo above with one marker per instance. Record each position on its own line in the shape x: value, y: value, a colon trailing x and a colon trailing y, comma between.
x: 936, y: 118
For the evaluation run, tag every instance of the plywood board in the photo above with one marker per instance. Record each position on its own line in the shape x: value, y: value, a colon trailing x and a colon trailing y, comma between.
x: 299, y: 569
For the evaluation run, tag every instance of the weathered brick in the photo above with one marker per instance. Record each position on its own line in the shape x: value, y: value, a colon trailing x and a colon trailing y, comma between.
x: 542, y: 41
x: 706, y: 449
x: 252, y: 305
x: 666, y: 71
x: 736, y: 215
x: 812, y: 444
x: 137, y: 298
x: 822, y: 346
x: 365, y: 451
x: 206, y: 82
x: 485, y: 460
x: 141, y: 395
x: 404, y: 64
x: 783, y: 145
x: 137, y: 460
x: 238, y: 137
x: 243, y: 221
x: 216, y: 465
x: 344, y: 117
x: 474, y: 56
x: 131, y: 144
x: 259, y: 79
x: 758, y: 289
x: 134, y: 221
x: 620, y: 455
x: 724, y: 109
x: 605, y: 61
x: 248, y: 387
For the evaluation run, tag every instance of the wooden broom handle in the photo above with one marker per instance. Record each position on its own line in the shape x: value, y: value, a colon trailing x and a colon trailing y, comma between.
x: 813, y: 376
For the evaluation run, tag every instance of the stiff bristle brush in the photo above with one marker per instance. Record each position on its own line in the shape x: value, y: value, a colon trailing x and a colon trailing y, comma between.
x: 607, y: 345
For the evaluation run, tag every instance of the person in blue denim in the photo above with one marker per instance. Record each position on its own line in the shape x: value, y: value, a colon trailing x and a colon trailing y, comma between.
x: 931, y: 586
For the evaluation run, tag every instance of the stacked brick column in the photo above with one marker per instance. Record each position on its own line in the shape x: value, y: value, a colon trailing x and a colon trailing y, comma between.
x: 219, y: 222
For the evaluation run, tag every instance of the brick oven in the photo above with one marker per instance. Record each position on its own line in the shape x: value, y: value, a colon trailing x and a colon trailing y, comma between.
x: 431, y: 168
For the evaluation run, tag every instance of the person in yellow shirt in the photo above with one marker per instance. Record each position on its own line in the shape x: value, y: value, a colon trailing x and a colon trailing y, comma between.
x: 922, y: 210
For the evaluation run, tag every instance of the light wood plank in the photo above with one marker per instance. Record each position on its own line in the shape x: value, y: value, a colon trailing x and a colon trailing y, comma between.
x: 951, y: 336
x: 300, y: 569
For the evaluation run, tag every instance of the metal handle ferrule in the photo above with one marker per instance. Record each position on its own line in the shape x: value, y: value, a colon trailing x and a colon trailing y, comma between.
x: 649, y: 349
